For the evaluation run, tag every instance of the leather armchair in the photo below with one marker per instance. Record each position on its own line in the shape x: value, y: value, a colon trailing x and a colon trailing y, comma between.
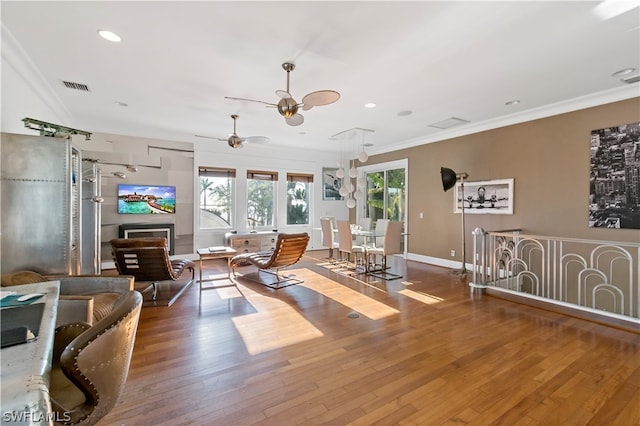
x: 91, y: 363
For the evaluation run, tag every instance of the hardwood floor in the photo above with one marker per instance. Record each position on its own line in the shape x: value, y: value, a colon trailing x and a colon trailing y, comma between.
x: 335, y: 350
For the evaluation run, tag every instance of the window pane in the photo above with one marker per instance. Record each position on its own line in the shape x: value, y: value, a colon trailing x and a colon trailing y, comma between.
x: 395, y: 194
x: 297, y: 203
x: 216, y: 201
x: 260, y: 202
x: 375, y: 196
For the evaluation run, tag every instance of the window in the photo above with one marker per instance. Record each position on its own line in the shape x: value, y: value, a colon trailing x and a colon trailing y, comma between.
x: 386, y: 192
x: 261, y: 188
x: 298, y: 198
x: 216, y: 197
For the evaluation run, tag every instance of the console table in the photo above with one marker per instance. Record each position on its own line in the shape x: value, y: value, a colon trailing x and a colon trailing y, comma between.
x: 251, y: 242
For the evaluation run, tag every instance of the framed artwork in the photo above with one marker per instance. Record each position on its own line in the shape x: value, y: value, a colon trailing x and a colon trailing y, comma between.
x: 614, y: 192
x: 484, y: 197
x: 330, y: 184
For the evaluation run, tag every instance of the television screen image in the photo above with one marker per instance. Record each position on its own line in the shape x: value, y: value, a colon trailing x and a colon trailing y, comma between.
x: 146, y: 199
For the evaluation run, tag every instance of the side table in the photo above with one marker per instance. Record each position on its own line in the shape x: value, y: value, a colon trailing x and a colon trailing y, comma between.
x: 212, y: 253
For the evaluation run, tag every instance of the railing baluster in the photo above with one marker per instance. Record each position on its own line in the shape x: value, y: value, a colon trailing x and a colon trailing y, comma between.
x: 506, y: 260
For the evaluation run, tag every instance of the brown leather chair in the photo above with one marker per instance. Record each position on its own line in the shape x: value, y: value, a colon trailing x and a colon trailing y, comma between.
x: 288, y: 251
x: 147, y: 259
x: 91, y: 363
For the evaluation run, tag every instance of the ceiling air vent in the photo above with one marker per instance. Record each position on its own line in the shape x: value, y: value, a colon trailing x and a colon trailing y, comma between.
x: 76, y: 86
x: 448, y: 123
x: 631, y: 79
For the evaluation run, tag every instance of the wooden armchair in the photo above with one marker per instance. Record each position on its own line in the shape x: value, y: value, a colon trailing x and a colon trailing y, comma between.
x: 147, y: 259
x: 288, y: 251
x: 91, y: 363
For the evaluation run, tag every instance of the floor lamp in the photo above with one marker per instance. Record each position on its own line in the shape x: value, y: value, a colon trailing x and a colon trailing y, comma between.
x: 449, y: 179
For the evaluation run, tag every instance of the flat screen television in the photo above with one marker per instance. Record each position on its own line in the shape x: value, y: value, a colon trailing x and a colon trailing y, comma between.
x: 146, y: 199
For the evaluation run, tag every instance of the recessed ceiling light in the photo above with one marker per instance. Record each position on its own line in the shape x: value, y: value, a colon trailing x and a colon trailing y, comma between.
x: 405, y: 113
x: 622, y: 72
x: 370, y: 105
x: 109, y: 35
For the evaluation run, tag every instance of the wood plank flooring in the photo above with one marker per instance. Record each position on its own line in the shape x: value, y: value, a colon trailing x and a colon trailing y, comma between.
x: 341, y: 351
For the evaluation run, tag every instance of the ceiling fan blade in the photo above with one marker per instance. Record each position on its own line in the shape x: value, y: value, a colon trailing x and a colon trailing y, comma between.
x: 250, y: 100
x: 295, y: 120
x: 210, y: 137
x: 283, y: 94
x: 321, y: 97
x: 256, y: 139
x: 306, y: 107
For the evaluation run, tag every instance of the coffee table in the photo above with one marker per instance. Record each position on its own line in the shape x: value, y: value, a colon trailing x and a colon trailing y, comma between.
x: 212, y: 253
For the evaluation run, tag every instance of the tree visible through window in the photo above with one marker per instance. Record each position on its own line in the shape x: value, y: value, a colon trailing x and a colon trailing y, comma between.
x: 298, y: 190
x: 386, y: 195
x: 261, y: 188
x: 216, y: 197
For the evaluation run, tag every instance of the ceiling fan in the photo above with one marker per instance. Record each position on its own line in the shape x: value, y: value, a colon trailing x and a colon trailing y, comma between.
x: 235, y: 141
x: 288, y: 107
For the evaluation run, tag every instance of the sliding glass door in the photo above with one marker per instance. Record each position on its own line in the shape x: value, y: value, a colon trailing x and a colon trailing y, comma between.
x: 385, y: 192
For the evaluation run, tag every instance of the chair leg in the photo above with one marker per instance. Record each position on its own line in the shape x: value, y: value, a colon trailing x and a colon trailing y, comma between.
x: 154, y: 296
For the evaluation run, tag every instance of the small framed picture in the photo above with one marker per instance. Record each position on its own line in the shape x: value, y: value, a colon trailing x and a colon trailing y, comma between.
x: 331, y: 184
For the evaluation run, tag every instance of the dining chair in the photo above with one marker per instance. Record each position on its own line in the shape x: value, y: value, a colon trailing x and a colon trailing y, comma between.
x: 345, y: 242
x: 381, y: 227
x: 364, y: 224
x: 392, y: 245
x: 328, y: 238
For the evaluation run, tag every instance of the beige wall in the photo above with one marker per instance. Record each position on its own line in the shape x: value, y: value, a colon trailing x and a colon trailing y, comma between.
x: 549, y: 161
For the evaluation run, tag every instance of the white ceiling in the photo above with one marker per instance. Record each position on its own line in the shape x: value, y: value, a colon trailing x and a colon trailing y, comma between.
x: 178, y: 60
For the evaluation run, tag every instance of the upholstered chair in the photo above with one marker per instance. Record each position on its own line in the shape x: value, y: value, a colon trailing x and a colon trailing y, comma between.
x: 91, y: 363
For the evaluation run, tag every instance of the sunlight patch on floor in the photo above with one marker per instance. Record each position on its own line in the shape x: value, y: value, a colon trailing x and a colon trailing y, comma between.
x: 421, y: 297
x: 210, y: 281
x: 359, y: 302
x: 275, y: 324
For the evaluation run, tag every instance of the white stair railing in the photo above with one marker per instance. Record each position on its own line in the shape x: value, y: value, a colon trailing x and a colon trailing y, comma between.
x: 592, y: 275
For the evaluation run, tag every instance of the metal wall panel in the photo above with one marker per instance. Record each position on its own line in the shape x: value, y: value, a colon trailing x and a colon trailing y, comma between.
x: 40, y: 205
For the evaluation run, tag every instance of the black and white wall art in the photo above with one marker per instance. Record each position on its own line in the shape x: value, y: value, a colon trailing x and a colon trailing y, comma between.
x: 614, y: 184
x: 485, y: 197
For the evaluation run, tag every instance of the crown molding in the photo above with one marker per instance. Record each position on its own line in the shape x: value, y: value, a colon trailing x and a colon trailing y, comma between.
x: 570, y: 105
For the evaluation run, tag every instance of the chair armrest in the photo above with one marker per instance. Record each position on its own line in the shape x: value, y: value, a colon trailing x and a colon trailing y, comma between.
x: 92, y: 284
x: 73, y: 309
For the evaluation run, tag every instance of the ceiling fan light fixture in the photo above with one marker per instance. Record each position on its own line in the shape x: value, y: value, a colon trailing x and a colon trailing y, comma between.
x: 234, y: 141
x: 287, y: 107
